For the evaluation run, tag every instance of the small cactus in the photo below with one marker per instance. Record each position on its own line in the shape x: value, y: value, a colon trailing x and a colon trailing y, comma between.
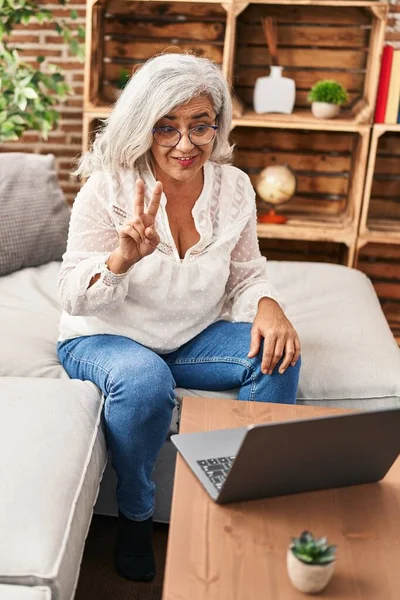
x: 313, y: 551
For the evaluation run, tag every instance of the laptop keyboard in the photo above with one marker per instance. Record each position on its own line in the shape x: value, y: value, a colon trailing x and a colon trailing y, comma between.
x: 217, y: 469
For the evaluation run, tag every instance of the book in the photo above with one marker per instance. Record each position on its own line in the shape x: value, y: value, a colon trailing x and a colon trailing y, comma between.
x: 398, y: 116
x: 383, y: 85
x: 392, y: 106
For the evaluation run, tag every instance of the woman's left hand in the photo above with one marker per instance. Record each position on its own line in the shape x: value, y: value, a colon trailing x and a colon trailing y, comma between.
x: 280, y: 337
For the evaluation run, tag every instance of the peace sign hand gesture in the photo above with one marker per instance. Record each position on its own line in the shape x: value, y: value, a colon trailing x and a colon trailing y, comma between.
x: 138, y: 237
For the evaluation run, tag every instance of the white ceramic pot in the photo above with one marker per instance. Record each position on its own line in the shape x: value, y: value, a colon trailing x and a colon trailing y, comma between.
x: 325, y: 110
x: 308, y: 578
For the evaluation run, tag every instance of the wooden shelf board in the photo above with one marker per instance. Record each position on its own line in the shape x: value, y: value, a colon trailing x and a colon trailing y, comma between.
x: 339, y: 3
x: 92, y: 2
x: 384, y: 226
x: 102, y: 112
x: 300, y: 119
x: 307, y: 230
x: 383, y: 127
x: 380, y: 235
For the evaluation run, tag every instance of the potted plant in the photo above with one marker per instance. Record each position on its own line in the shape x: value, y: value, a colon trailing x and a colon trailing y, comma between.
x: 310, y: 562
x: 123, y: 78
x: 327, y: 96
x: 30, y: 95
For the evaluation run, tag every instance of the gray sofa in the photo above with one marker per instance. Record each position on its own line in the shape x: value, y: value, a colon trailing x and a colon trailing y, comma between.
x: 51, y: 437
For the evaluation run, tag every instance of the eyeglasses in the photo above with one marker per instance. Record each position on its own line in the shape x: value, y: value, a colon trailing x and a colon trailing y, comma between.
x: 199, y: 135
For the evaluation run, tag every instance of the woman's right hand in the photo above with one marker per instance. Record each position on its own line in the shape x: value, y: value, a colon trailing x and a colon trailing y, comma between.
x: 138, y: 237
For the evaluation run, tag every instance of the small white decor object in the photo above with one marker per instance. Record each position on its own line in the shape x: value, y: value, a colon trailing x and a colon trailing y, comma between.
x: 310, y: 563
x: 274, y: 93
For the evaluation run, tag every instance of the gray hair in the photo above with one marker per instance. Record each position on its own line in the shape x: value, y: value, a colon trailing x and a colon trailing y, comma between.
x: 161, y: 85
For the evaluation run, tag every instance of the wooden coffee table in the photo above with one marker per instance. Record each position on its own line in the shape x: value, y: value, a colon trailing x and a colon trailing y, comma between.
x: 238, y: 551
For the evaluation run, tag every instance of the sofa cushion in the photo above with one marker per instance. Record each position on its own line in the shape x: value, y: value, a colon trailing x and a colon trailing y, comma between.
x: 34, y: 215
x: 53, y: 456
x: 30, y: 313
x: 21, y: 592
x: 349, y: 355
x: 348, y: 351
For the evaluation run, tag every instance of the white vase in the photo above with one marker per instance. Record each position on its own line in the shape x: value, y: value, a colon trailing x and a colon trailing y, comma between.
x: 274, y: 94
x: 325, y: 110
x: 308, y: 578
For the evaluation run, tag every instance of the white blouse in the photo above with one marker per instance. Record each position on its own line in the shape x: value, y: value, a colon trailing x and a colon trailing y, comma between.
x: 163, y: 301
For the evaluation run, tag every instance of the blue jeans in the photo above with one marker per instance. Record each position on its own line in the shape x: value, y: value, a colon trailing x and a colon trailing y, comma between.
x: 138, y: 386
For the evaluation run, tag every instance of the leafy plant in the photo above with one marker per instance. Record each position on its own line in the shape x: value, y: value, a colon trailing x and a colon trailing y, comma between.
x: 313, y: 551
x: 328, y: 90
x: 29, y: 94
x: 123, y: 78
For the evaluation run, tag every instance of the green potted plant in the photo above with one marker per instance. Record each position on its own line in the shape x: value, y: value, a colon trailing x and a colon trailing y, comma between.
x: 123, y: 78
x: 310, y: 562
x: 326, y: 97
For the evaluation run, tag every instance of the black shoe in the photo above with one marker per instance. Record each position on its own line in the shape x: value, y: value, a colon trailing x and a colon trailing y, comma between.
x: 134, y: 557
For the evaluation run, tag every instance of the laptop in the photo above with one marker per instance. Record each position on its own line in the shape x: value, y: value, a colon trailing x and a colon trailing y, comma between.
x: 274, y: 459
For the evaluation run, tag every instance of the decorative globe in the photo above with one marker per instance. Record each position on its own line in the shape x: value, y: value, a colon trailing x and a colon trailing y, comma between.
x: 276, y: 184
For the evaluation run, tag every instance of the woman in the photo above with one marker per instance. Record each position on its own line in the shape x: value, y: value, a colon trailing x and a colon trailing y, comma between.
x: 162, y: 283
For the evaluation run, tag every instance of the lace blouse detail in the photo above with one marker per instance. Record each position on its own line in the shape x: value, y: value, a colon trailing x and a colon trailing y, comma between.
x: 163, y: 301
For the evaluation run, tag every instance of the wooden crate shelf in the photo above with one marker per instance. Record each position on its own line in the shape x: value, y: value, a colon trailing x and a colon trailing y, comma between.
x: 329, y: 167
x: 381, y: 262
x: 125, y: 34
x: 339, y: 39
x: 317, y: 40
x: 380, y: 219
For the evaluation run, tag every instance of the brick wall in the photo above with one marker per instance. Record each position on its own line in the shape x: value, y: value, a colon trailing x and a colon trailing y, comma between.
x: 65, y: 143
